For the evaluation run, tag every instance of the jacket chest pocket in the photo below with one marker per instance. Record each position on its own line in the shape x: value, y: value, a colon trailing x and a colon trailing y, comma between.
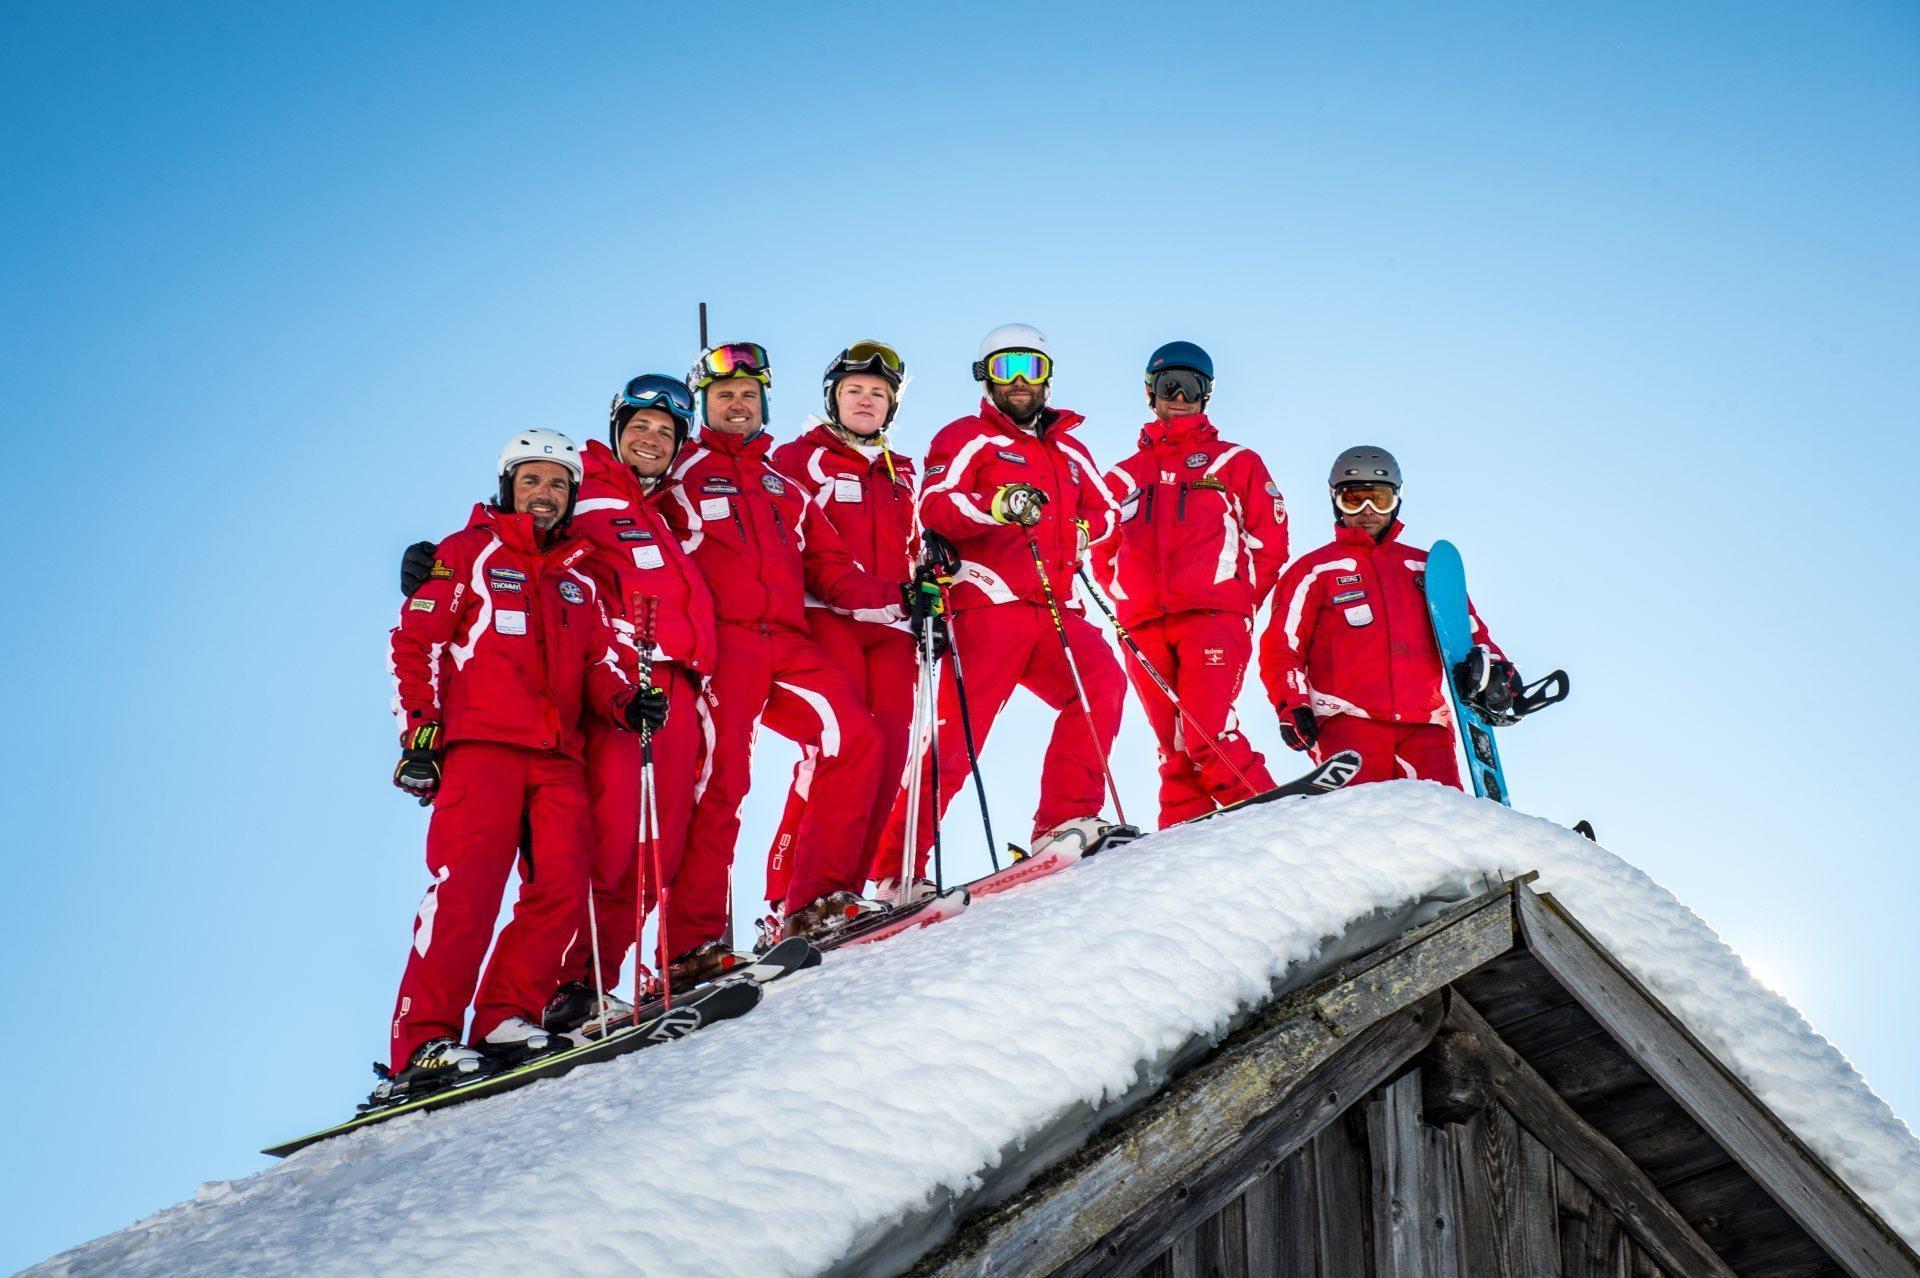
x: 1354, y: 602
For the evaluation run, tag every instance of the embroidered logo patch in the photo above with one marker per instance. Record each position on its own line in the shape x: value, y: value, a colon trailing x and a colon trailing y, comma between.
x: 1350, y: 596
x: 773, y: 484
x: 1073, y: 470
x: 719, y: 486
x: 1347, y: 579
x: 636, y: 535
x: 622, y: 523
x: 939, y: 469
x: 1210, y: 481
x: 571, y: 592
x: 420, y: 605
x: 1215, y: 656
x: 506, y: 574
x: 1196, y: 460
x: 440, y: 570
x: 1007, y: 455
x: 1273, y: 489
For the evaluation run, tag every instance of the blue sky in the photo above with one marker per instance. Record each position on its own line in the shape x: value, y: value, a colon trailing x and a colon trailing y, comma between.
x: 1628, y: 291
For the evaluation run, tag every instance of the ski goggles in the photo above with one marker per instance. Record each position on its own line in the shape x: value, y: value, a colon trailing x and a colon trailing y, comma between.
x: 1169, y: 382
x: 736, y: 359
x: 657, y: 390
x: 861, y: 356
x: 1351, y: 499
x: 1006, y: 367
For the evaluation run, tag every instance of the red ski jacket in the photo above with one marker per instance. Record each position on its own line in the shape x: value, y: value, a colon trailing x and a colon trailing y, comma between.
x: 507, y: 642
x: 1202, y: 525
x: 870, y: 507
x: 635, y: 551
x: 761, y: 546
x: 1349, y: 633
x: 970, y: 461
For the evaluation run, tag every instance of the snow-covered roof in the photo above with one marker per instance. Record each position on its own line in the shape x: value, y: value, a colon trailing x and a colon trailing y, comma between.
x: 839, y: 1125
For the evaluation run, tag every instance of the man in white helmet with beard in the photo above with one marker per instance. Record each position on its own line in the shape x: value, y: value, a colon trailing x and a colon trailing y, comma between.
x: 1021, y: 499
x: 496, y: 660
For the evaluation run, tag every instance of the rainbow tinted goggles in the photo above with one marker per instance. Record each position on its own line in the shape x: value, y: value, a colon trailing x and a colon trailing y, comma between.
x: 1351, y: 499
x: 736, y: 359
x: 1007, y: 367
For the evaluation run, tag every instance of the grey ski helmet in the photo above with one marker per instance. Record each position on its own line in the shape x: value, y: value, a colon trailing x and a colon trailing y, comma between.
x: 1364, y: 464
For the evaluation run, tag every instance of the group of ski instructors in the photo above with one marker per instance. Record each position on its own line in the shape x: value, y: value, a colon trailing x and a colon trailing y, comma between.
x: 581, y: 670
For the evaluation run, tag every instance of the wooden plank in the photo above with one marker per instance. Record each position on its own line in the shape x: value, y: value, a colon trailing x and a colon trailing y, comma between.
x: 1233, y: 1236
x: 1456, y: 946
x: 1514, y: 987
x: 1640, y: 1264
x: 1208, y: 1253
x: 1586, y: 1153
x: 1293, y: 1247
x: 1155, y: 1268
x: 1751, y: 1231
x: 1852, y: 1232
x: 1656, y: 1134
x: 1480, y: 1252
x: 1549, y: 1030
x: 1535, y: 1228
x: 1183, y: 1260
x: 1345, y: 1225
x: 1411, y: 1233
x: 1591, y: 1241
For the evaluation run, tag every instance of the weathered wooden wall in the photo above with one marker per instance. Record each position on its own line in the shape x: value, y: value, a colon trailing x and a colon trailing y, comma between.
x: 1378, y: 1193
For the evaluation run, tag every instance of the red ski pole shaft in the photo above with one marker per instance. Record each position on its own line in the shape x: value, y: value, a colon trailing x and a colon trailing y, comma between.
x: 646, y: 851
x: 1073, y: 668
x: 1140, y: 658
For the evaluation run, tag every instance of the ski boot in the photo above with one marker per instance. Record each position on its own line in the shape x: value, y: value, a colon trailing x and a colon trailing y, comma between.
x: 1088, y: 834
x: 517, y: 1040
x: 572, y: 1012
x: 704, y: 963
x: 828, y: 914
x: 888, y: 891
x: 437, y: 1064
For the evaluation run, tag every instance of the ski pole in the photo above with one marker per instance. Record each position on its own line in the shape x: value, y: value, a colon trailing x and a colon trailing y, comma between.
x: 1073, y: 668
x: 1141, y: 659
x: 933, y: 744
x: 911, y: 837
x: 947, y: 557
x: 648, y: 848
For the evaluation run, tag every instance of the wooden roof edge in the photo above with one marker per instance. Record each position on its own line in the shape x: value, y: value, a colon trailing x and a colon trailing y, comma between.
x: 1292, y: 1068
x: 1756, y: 1138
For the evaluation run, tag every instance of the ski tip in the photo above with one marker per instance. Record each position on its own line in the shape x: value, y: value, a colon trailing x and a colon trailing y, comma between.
x: 1339, y: 770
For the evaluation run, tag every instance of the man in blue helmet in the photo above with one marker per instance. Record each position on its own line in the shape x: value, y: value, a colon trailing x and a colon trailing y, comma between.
x: 1201, y: 542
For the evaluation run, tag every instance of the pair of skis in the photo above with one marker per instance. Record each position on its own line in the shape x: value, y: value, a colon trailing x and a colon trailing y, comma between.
x: 728, y: 998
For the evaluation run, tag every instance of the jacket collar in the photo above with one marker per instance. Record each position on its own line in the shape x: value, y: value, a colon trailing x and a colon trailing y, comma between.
x: 1356, y: 537
x: 755, y: 445
x: 516, y: 532
x: 1050, y: 419
x: 1179, y: 433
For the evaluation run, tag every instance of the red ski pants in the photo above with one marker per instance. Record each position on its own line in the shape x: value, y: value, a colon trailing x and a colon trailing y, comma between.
x: 613, y: 779
x: 1004, y: 646
x: 494, y: 801
x: 879, y: 661
x: 1391, y: 751
x: 784, y: 681
x: 1204, y: 656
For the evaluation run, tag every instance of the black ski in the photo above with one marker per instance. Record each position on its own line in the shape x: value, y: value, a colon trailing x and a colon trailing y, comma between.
x: 722, y: 1001
x: 1331, y: 775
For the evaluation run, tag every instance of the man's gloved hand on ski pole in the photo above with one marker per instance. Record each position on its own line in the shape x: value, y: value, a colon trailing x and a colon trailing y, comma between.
x: 926, y: 607
x: 418, y: 772
x: 1298, y: 729
x: 1018, y: 504
x: 648, y: 709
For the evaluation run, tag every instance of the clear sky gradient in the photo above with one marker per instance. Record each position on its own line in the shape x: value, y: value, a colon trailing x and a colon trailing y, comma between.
x: 1630, y: 290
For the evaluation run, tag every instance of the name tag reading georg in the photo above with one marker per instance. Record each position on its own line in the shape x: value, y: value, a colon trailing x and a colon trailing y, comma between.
x: 713, y: 508
x: 510, y: 623
x: 846, y: 488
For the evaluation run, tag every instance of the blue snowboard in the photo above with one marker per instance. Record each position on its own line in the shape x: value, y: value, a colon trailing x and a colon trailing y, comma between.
x: 1453, y: 628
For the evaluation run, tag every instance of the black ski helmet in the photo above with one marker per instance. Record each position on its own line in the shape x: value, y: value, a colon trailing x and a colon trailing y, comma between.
x: 877, y: 358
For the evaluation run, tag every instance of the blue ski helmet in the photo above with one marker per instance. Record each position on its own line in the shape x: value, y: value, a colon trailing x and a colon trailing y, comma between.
x: 651, y: 390
x: 1180, y: 355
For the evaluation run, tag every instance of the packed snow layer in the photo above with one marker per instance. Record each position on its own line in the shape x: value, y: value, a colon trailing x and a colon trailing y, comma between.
x: 862, y: 1099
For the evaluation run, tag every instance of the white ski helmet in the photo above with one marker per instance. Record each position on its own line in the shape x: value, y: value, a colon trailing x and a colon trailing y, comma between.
x: 539, y: 444
x: 1009, y: 337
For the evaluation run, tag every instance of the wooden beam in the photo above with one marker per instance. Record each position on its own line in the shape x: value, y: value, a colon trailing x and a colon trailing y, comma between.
x: 1851, y: 1232
x: 1584, y: 1151
x: 1249, y: 1096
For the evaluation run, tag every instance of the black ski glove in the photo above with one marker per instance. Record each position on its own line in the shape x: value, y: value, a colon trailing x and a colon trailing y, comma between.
x: 416, y: 566
x: 926, y: 608
x: 1489, y: 684
x: 648, y: 710
x: 1298, y: 728
x: 418, y: 772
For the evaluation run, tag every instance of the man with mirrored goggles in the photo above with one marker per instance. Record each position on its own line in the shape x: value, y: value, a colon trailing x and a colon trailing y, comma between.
x: 1349, y: 658
x: 1201, y: 542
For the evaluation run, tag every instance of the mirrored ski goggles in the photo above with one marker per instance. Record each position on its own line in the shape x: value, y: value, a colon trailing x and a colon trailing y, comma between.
x: 736, y: 359
x: 1351, y: 499
x: 1006, y: 367
x: 1181, y: 381
x: 862, y: 355
x: 657, y: 390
